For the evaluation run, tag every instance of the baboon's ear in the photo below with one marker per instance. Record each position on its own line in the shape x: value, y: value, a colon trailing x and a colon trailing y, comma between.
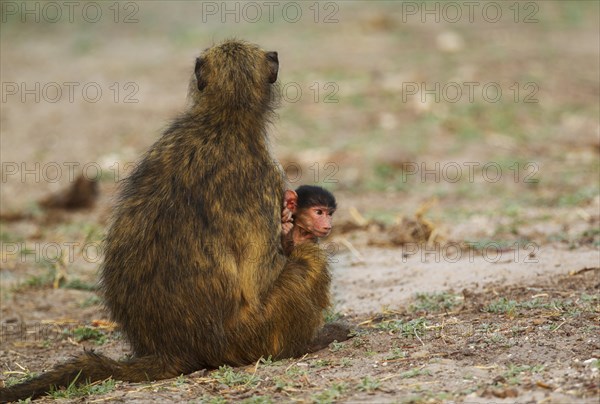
x: 273, y: 66
x: 198, y: 72
x: 290, y: 200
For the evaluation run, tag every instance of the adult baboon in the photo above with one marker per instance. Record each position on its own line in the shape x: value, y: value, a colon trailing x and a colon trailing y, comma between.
x: 194, y: 272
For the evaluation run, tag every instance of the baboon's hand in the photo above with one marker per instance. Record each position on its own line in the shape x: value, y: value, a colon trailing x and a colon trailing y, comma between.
x: 286, y: 228
x: 286, y: 216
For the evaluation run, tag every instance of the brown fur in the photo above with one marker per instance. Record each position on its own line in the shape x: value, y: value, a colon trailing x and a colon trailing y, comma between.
x: 194, y: 271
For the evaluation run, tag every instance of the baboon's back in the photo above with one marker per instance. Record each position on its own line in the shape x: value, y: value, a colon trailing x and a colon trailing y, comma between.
x: 194, y: 272
x: 192, y: 225
x: 196, y: 231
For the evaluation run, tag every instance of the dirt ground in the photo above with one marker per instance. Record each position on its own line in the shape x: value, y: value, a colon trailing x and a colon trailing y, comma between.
x: 466, y: 249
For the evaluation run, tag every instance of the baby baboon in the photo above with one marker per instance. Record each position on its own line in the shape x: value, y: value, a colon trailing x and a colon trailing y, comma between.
x: 194, y: 272
x: 307, y: 215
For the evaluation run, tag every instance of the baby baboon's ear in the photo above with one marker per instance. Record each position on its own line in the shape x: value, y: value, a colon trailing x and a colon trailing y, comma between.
x: 273, y: 66
x: 198, y: 72
x: 290, y: 200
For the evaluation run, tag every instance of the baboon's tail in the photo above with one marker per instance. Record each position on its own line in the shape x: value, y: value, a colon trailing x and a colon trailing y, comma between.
x: 86, y: 368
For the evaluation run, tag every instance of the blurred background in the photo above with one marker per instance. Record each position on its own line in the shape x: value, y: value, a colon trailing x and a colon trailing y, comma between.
x: 486, y: 112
